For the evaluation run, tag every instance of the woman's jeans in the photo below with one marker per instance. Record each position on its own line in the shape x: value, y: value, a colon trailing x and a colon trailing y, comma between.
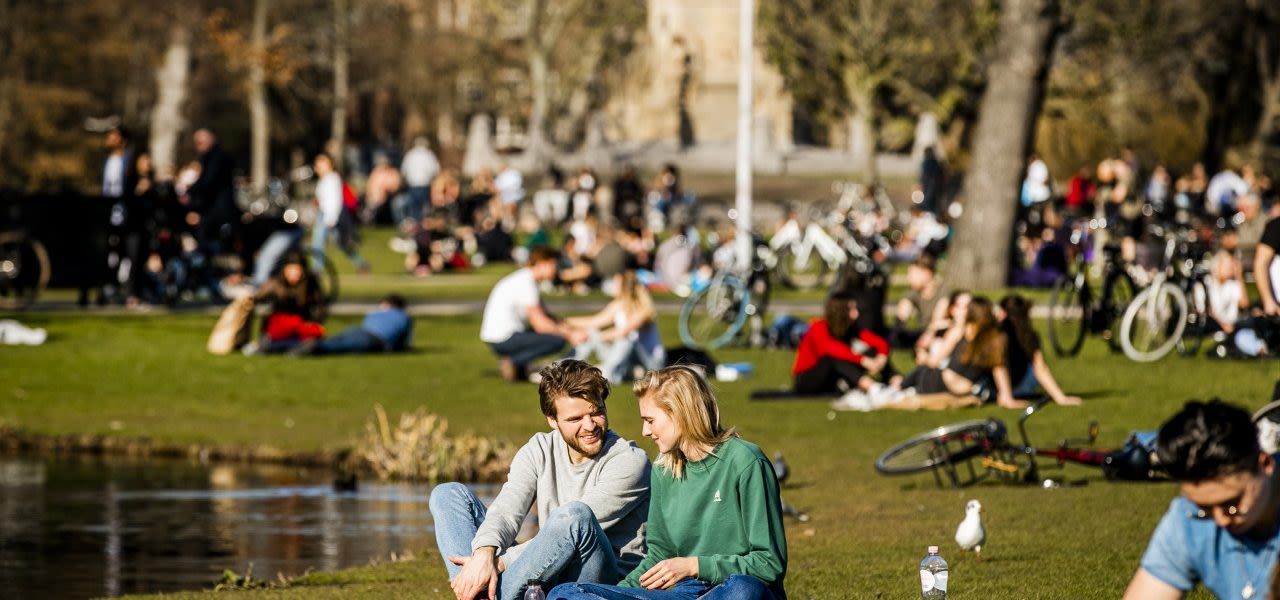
x: 570, y: 545
x: 618, y: 357
x: 737, y: 587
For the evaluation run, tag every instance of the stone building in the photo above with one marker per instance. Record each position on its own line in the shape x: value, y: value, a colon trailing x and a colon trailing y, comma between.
x: 684, y: 88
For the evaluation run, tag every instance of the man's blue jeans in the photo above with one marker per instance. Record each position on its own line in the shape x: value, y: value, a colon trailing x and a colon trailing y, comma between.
x: 525, y: 346
x: 570, y: 546
x: 737, y: 587
x: 353, y: 340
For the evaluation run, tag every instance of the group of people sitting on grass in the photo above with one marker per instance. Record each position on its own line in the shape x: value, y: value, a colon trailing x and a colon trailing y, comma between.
x: 971, y: 352
x: 704, y: 521
x: 517, y: 327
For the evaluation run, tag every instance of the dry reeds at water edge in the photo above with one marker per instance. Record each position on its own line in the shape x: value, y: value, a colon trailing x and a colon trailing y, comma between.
x: 420, y: 448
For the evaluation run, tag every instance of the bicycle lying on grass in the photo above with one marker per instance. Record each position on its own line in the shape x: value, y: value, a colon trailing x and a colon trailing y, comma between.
x: 965, y: 453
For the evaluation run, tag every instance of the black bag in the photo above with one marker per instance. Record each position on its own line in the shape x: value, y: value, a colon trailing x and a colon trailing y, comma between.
x: 1135, y: 461
x: 685, y: 355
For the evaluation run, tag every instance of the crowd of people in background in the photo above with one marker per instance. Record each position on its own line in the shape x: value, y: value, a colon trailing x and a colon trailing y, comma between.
x: 1135, y: 210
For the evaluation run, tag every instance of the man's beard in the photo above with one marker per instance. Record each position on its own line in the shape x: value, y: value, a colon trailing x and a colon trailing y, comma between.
x: 576, y: 444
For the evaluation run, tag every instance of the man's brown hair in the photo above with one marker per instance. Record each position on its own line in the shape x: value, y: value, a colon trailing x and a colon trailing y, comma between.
x: 571, y: 378
x: 539, y: 254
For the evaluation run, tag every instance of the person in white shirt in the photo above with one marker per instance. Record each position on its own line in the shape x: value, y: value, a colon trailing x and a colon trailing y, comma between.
x: 510, y: 186
x: 419, y: 167
x: 332, y: 213
x: 515, y: 324
x: 1226, y: 292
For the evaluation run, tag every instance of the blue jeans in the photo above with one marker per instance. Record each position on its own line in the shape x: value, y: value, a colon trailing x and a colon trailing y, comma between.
x: 320, y: 234
x: 353, y: 340
x: 736, y: 587
x: 1027, y: 386
x: 409, y: 205
x: 272, y: 251
x: 570, y: 545
x: 525, y: 346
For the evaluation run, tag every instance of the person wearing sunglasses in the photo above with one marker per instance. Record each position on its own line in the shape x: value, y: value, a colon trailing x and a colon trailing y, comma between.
x: 1221, y: 531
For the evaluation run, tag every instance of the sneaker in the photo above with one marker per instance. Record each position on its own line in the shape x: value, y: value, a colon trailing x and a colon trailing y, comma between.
x: 853, y: 400
x: 507, y: 369
x: 251, y: 349
x: 535, y: 378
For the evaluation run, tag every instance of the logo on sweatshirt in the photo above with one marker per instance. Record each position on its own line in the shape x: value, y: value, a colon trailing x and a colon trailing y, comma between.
x: 717, y: 498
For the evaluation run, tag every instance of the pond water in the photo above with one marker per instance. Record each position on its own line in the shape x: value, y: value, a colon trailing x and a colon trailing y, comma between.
x: 84, y: 527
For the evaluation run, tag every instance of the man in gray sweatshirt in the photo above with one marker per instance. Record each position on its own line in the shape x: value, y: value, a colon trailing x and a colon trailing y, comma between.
x: 590, y: 487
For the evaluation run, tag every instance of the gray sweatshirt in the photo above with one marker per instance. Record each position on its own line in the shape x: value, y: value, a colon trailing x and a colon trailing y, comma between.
x: 614, y: 484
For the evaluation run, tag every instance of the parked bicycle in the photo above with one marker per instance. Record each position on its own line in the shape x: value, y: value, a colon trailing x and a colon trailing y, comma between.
x: 808, y: 256
x: 718, y: 313
x: 1172, y: 311
x: 965, y: 453
x: 24, y: 270
x: 1077, y: 308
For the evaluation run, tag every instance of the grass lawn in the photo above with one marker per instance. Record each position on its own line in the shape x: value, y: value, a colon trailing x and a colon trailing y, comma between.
x: 149, y: 376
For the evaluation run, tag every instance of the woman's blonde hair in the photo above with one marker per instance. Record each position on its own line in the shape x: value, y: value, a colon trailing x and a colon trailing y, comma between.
x: 682, y: 392
x: 633, y: 295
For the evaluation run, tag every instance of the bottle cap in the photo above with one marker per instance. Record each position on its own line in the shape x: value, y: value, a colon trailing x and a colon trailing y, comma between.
x: 933, y: 549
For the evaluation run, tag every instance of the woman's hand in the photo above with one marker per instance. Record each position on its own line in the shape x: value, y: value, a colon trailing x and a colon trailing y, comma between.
x: 669, y: 572
x: 1068, y: 401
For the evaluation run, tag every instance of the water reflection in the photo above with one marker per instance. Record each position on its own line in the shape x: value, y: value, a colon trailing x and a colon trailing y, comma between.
x: 77, y: 527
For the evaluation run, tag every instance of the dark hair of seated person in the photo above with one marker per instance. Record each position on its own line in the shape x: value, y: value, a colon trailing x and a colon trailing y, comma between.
x: 1208, y: 440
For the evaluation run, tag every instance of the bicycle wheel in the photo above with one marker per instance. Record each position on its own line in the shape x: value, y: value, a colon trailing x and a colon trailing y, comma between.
x: 1197, y: 320
x: 1153, y: 323
x: 714, y: 315
x: 802, y: 273
x: 326, y: 273
x: 1118, y: 296
x: 946, y: 444
x: 24, y: 270
x: 1069, y: 309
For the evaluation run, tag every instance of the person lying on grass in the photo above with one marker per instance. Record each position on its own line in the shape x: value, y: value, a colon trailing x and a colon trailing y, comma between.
x: 1223, y: 531
x: 386, y: 329
x: 590, y: 487
x: 715, y: 518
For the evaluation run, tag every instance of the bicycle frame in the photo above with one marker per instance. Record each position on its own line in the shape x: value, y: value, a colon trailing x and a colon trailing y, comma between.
x: 998, y: 457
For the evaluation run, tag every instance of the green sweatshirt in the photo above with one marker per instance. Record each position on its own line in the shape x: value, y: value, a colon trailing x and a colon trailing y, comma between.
x: 725, y: 511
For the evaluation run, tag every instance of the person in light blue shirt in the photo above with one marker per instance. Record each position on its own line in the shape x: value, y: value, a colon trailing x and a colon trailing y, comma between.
x: 386, y: 329
x: 1223, y: 531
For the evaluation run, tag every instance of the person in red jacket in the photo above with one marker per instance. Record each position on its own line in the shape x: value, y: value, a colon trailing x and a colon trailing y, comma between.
x: 836, y: 355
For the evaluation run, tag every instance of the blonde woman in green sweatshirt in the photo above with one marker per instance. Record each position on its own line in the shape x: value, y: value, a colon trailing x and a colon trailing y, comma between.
x: 715, y: 521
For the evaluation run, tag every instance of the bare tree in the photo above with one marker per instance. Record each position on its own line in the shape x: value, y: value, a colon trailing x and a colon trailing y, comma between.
x: 979, y: 257
x: 171, y: 93
x: 341, y: 79
x: 259, y: 122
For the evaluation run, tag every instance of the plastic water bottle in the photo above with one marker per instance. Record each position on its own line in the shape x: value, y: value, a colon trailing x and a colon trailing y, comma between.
x: 534, y: 591
x: 933, y: 576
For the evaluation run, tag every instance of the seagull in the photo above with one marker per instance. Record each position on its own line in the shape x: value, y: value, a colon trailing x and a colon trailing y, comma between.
x: 971, y: 535
x: 780, y: 468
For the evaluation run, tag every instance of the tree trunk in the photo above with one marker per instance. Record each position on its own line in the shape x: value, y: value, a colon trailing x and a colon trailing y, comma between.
x: 863, y: 101
x: 341, y: 81
x: 979, y: 257
x: 1269, y: 82
x: 258, y: 117
x: 171, y: 93
x: 537, y: 153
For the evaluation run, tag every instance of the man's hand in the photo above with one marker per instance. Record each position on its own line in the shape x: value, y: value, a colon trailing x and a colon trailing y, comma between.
x: 479, y: 574
x: 669, y: 572
x: 1270, y: 307
x: 876, y: 363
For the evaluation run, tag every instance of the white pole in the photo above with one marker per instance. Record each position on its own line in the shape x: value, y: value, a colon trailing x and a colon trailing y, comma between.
x: 746, y: 52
